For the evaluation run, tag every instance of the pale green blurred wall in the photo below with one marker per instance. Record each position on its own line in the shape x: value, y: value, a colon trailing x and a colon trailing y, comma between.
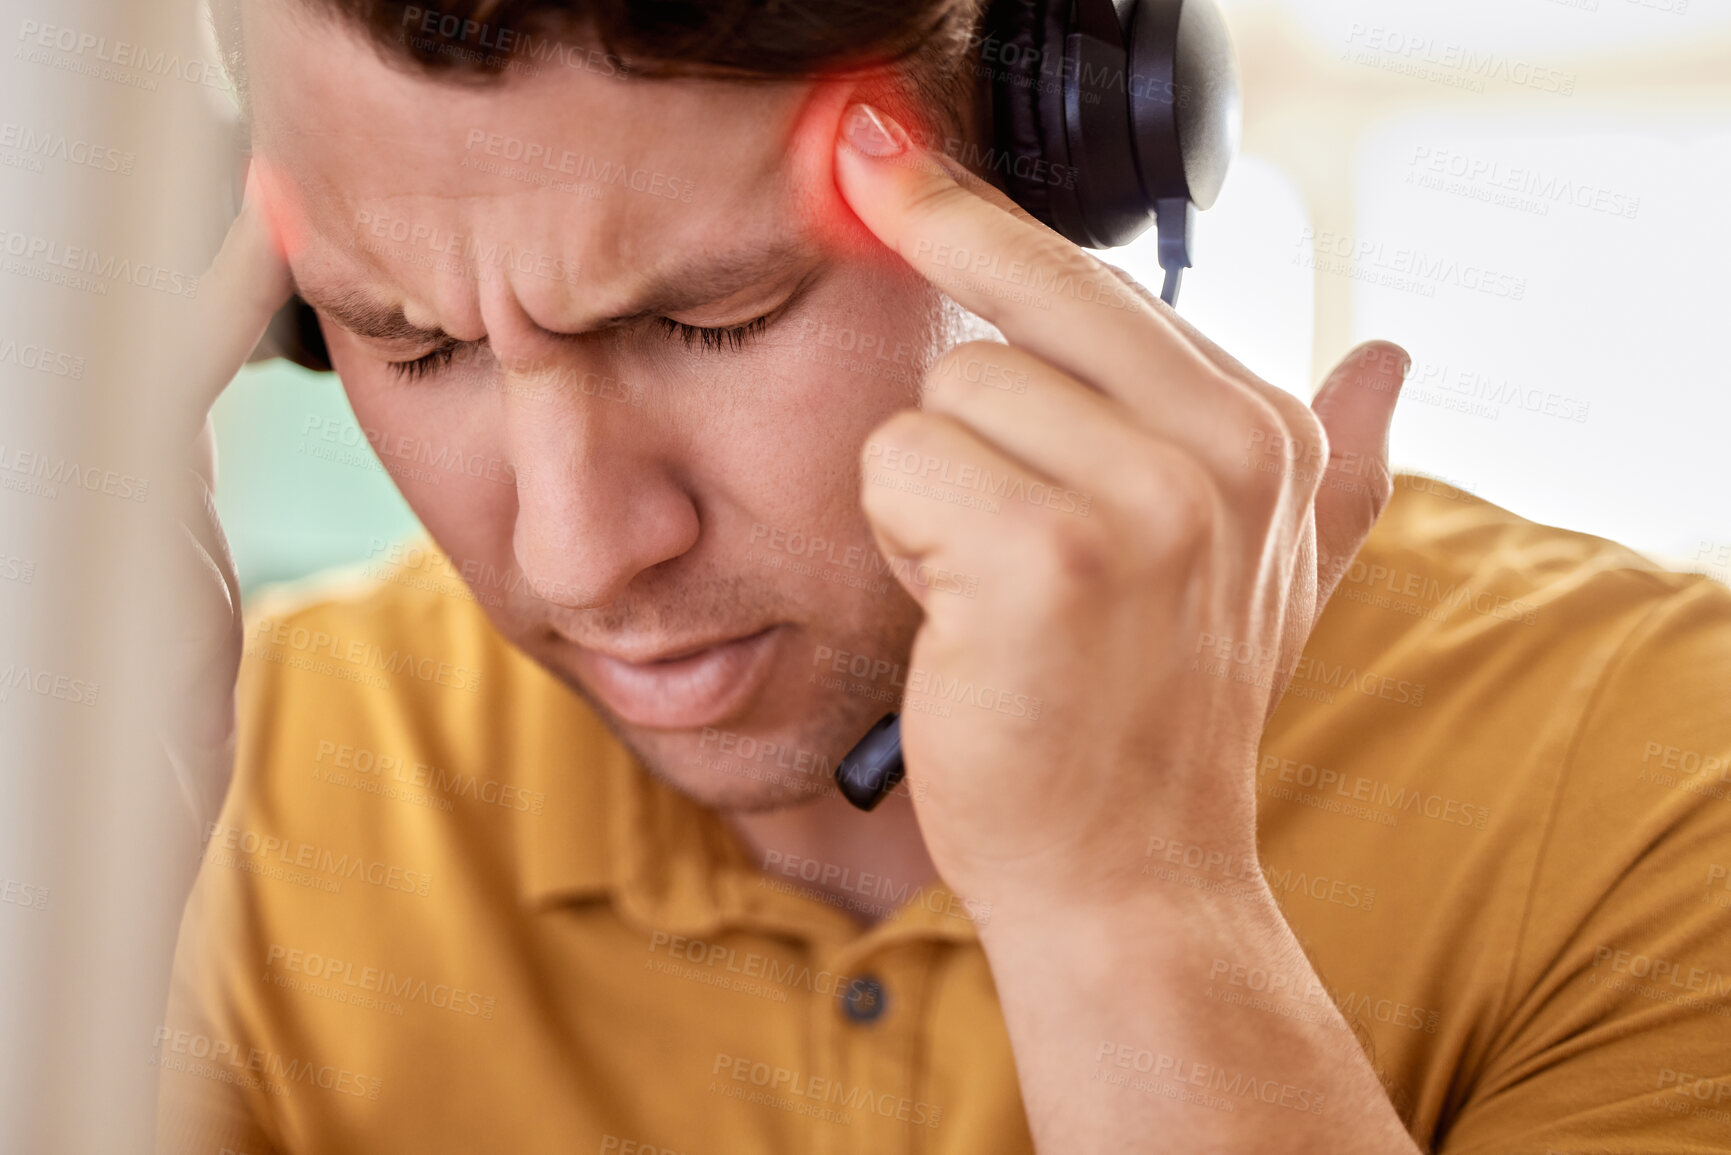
x: 298, y: 487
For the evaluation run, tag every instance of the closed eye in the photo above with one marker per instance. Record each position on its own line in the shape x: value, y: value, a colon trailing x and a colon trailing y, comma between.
x: 732, y: 338
x: 439, y: 358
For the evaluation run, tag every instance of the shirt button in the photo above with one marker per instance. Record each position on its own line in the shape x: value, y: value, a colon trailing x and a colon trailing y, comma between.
x: 865, y: 1000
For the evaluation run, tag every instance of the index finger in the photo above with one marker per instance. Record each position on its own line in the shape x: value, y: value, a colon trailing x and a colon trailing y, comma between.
x: 1043, y: 293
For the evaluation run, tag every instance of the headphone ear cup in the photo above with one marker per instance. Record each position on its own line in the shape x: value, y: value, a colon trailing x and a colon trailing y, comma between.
x: 1011, y: 58
x: 1022, y: 59
x: 1111, y: 204
x: 1184, y: 109
x: 1105, y: 115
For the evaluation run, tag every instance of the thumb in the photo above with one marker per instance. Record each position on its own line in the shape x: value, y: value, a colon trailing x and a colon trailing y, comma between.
x: 1355, y: 406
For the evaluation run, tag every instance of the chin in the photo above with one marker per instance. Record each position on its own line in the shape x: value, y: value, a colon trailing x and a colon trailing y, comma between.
x: 747, y: 768
x: 729, y: 770
x: 732, y: 792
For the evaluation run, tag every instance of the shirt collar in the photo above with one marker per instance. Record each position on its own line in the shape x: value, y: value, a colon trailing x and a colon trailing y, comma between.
x: 609, y: 830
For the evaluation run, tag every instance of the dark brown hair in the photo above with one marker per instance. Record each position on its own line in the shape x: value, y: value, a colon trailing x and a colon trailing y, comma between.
x: 924, y: 43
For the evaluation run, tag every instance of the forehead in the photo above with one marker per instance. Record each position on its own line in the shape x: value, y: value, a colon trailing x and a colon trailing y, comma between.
x: 572, y: 174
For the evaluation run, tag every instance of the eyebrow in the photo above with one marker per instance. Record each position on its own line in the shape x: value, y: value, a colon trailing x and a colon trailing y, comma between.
x: 366, y: 316
x: 697, y: 282
x: 702, y: 280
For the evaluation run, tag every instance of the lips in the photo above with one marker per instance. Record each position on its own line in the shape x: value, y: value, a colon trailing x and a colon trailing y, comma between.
x: 694, y: 687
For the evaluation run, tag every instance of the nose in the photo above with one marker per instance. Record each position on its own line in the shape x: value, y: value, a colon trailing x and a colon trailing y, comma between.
x: 598, y: 499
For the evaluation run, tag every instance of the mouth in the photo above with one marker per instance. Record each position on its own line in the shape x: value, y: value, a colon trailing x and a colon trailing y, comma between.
x: 683, y: 687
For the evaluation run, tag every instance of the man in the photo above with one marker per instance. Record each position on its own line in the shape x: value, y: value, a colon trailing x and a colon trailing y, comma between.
x: 530, y: 846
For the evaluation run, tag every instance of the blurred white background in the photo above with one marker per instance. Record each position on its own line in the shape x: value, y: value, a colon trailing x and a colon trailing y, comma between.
x: 1600, y: 400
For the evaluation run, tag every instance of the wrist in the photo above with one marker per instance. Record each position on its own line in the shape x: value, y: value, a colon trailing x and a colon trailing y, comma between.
x: 1136, y: 923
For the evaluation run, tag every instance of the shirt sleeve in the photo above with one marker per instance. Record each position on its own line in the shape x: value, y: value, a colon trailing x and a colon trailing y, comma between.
x: 1614, y: 1036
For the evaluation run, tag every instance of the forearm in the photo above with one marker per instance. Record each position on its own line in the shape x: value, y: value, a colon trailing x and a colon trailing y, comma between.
x: 1123, y: 1042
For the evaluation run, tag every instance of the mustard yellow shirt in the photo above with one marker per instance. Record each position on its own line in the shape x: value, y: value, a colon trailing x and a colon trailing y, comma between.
x: 443, y: 911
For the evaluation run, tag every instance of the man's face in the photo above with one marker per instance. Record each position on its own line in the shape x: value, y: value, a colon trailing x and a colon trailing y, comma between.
x: 673, y: 344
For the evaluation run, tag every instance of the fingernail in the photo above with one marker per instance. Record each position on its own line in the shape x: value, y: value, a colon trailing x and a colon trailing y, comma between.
x: 873, y: 133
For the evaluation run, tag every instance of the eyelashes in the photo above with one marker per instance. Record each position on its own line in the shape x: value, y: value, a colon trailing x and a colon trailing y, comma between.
x: 730, y: 339
x: 439, y: 358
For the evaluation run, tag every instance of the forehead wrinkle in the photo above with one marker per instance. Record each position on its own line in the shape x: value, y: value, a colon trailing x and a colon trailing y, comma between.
x: 696, y: 281
x: 690, y: 283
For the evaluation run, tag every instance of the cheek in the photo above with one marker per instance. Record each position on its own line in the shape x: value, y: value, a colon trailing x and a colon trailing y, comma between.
x: 842, y: 372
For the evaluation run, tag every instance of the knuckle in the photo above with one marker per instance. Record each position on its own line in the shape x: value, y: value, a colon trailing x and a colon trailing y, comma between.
x: 1166, y: 505
x: 1072, y: 558
x: 1188, y: 504
x: 1293, y: 413
x: 1133, y: 287
x: 1261, y: 481
x: 903, y: 431
x: 1140, y: 486
x: 1288, y: 452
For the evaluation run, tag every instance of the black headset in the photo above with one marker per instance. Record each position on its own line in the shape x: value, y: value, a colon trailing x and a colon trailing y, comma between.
x: 1131, y: 106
